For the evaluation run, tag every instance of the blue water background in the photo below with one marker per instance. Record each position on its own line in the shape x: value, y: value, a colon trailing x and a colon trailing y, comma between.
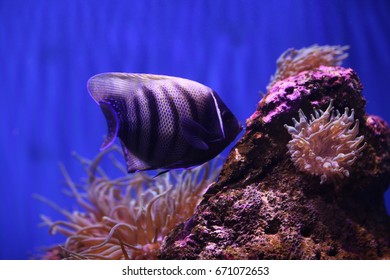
x: 49, y: 49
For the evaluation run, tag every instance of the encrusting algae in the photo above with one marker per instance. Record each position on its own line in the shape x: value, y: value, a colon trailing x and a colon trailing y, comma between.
x: 127, y: 217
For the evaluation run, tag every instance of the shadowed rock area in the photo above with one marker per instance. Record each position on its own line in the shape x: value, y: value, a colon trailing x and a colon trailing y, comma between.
x: 263, y: 207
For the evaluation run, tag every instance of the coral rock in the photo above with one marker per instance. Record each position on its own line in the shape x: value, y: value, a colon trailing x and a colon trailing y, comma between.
x: 263, y: 207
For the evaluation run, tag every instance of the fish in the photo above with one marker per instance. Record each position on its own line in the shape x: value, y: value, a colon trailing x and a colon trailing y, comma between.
x: 163, y: 122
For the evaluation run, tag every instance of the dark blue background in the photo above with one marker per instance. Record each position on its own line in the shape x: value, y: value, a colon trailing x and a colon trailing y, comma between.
x: 49, y: 49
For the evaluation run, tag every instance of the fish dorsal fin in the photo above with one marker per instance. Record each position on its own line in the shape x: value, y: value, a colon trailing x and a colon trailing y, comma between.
x: 134, y: 163
x: 112, y: 124
x: 119, y: 84
x: 195, y: 134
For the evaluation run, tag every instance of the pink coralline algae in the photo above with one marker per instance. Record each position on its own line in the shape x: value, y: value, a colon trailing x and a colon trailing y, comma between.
x: 326, y: 145
x: 288, y: 92
x: 262, y: 208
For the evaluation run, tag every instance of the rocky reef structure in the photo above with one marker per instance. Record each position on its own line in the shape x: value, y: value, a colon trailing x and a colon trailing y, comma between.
x: 263, y: 206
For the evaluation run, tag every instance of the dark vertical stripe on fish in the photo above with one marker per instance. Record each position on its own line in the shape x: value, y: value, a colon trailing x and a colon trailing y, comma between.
x: 154, y: 122
x: 136, y: 133
x: 176, y: 126
x: 193, y: 109
x: 191, y: 102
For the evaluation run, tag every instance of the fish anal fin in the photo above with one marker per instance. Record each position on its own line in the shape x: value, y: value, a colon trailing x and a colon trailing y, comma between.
x: 112, y: 124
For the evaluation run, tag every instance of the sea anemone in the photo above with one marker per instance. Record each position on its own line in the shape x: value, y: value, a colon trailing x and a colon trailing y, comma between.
x: 325, y: 145
x: 127, y: 217
x: 293, y: 61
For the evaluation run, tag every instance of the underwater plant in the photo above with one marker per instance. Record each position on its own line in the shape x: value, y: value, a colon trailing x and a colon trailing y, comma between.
x: 293, y: 61
x: 325, y: 145
x: 129, y: 216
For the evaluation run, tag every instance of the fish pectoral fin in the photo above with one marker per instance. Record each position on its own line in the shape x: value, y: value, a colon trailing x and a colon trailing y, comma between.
x: 195, y: 134
x: 112, y: 124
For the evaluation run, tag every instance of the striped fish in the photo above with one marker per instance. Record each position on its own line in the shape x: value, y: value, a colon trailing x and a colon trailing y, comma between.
x: 162, y: 121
